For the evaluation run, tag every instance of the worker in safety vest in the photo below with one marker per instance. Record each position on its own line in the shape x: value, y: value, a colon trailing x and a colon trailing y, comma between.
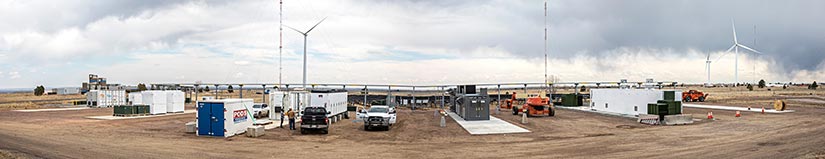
x: 291, y: 115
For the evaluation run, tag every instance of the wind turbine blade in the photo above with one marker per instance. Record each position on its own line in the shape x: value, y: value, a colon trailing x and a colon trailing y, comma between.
x: 319, y: 22
x: 733, y: 25
x: 746, y: 47
x: 725, y: 53
x: 731, y: 48
x: 295, y: 30
x: 708, y: 59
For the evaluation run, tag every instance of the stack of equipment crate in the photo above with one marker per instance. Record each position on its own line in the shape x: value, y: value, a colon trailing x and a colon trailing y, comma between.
x: 668, y: 106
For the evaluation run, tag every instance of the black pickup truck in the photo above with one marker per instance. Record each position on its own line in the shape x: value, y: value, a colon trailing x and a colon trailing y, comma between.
x: 314, y: 118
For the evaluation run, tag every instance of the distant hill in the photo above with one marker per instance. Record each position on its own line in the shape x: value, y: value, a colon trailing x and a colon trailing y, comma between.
x: 16, y: 90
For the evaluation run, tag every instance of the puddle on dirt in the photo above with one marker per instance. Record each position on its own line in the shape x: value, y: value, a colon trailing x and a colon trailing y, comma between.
x: 627, y: 127
x: 769, y: 143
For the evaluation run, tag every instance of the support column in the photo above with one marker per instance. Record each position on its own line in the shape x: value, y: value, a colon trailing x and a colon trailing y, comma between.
x: 240, y: 86
x: 197, y: 88
x: 525, y: 89
x: 216, y: 91
x: 499, y: 99
x: 413, y: 98
x: 263, y: 99
x: 365, y: 96
x: 442, y: 97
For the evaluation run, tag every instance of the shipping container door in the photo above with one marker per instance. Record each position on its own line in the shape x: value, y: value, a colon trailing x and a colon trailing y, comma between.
x: 204, y: 119
x: 218, y: 122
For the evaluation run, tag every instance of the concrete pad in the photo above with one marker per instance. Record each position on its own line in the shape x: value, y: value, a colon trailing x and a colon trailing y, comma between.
x: 483, y: 127
x: 51, y: 109
x: 587, y: 109
x: 277, y: 124
x: 110, y: 117
x: 734, y: 108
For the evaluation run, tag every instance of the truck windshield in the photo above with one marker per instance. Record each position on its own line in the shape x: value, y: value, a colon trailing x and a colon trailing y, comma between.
x: 315, y: 111
x: 257, y: 106
x: 378, y: 110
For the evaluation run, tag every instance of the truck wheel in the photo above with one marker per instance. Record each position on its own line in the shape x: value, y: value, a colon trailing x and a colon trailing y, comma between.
x: 515, y: 111
x: 552, y: 112
x: 388, y: 128
x: 346, y: 115
x: 303, y: 131
x: 366, y: 128
x: 701, y: 99
x: 326, y: 131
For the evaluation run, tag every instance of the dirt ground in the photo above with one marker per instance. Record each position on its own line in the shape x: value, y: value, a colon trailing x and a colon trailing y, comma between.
x: 570, y: 134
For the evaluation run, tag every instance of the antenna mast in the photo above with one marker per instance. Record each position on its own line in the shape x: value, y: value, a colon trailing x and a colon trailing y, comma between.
x: 280, y: 41
x: 545, y: 47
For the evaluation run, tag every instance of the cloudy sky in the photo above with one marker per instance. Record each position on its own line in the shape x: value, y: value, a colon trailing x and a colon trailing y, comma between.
x: 57, y: 43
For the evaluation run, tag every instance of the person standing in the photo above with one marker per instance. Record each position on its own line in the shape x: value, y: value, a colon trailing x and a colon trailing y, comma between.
x: 291, y: 115
x: 282, y: 118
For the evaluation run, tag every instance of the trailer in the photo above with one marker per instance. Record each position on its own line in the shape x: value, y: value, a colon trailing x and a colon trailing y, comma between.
x: 335, y: 102
x: 224, y: 118
x: 105, y: 98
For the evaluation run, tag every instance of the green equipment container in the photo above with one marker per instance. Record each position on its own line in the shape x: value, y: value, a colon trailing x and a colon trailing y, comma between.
x: 117, y: 110
x: 670, y: 95
x: 570, y: 100
x: 652, y: 109
x: 141, y: 109
x: 674, y: 108
x: 669, y: 107
x: 128, y: 109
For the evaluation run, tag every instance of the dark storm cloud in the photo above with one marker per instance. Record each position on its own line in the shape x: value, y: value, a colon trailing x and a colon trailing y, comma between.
x: 788, y: 31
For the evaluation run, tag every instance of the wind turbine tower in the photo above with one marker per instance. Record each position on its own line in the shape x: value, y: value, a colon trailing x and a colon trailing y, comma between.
x: 736, y: 47
x: 305, y: 48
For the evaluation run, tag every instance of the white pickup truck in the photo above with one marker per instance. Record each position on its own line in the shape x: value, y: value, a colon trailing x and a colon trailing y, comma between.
x: 377, y: 116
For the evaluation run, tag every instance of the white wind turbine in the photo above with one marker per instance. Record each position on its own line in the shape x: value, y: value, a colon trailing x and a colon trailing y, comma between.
x: 735, y: 47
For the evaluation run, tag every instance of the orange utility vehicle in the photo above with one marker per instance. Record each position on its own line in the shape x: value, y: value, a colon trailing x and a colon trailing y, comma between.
x: 693, y: 96
x: 534, y: 106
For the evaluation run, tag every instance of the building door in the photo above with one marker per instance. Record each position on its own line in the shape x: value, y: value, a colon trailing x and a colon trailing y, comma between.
x: 204, y: 119
x: 217, y: 113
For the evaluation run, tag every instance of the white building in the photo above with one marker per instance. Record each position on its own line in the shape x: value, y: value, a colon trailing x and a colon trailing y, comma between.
x: 67, y: 90
x: 627, y: 101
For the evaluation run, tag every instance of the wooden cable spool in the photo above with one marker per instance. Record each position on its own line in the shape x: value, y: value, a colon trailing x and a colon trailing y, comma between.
x: 779, y: 105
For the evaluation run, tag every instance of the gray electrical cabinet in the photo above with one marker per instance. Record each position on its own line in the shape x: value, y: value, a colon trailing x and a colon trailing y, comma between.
x: 473, y: 106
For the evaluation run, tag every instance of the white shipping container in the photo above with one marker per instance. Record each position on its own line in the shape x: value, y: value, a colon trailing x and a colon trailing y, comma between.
x: 156, y: 101
x: 105, y: 98
x: 67, y: 90
x: 334, y: 102
x: 174, y: 102
x: 235, y: 114
x: 297, y: 100
x: 277, y: 100
x: 626, y: 101
x: 136, y: 98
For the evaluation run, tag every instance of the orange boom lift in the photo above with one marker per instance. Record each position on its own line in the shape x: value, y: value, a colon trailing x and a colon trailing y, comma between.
x: 535, y: 106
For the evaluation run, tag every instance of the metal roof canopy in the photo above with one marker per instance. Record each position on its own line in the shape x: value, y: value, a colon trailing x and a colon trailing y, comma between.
x: 418, y: 88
